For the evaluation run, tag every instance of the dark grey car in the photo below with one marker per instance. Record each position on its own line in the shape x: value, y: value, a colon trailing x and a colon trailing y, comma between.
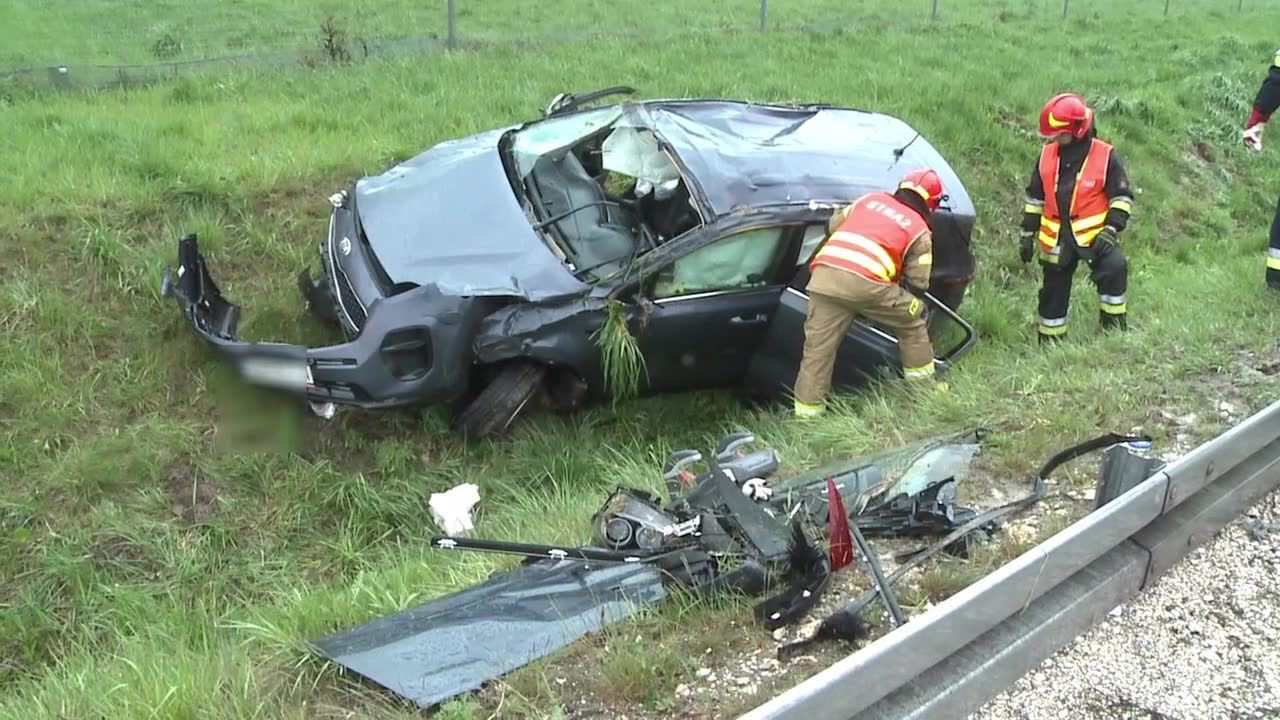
x: 479, y: 272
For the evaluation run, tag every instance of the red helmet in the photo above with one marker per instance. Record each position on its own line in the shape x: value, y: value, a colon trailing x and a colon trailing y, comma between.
x: 926, y: 183
x: 1066, y: 113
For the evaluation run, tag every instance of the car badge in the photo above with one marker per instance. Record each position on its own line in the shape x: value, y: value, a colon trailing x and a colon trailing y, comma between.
x: 345, y: 245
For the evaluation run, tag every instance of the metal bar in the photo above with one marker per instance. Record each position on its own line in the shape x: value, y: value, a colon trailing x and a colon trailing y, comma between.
x: 453, y: 25
x: 1159, y: 518
x: 933, y: 14
x: 1065, y: 3
x: 1166, y: 8
x: 764, y: 13
x: 1198, y: 519
x: 969, y: 678
x: 1211, y: 460
x: 857, y: 681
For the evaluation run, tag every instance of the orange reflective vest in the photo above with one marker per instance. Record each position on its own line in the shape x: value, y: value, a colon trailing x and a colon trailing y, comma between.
x: 1089, y: 204
x: 873, y: 239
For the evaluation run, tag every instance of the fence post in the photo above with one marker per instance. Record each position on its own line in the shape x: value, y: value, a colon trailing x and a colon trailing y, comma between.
x: 453, y: 25
x: 933, y: 15
x: 764, y: 13
x: 1240, y: 7
x: 1166, y: 8
x: 1065, y: 3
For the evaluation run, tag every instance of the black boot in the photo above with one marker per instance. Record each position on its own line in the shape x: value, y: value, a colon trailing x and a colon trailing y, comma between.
x: 1113, y: 322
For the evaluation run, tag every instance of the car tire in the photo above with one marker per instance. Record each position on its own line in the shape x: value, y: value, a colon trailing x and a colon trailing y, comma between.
x: 494, y: 408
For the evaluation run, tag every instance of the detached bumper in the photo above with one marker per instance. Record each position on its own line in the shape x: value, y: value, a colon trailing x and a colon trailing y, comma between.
x: 414, y: 347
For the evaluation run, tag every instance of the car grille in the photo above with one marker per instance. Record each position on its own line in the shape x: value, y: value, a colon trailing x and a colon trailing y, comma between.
x: 348, y: 303
x: 351, y: 312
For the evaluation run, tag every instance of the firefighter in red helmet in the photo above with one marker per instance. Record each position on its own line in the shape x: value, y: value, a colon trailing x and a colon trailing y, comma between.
x: 1078, y: 203
x: 875, y: 263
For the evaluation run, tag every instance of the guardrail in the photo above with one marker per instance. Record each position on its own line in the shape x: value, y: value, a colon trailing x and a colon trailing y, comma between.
x: 949, y: 661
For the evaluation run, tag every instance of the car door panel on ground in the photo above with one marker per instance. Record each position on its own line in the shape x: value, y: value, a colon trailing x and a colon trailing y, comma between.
x: 711, y: 310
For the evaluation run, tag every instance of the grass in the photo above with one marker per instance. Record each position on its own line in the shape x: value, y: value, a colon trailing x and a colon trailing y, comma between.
x: 169, y: 538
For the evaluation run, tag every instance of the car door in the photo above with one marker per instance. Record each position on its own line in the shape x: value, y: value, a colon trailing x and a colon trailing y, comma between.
x: 866, y: 351
x: 711, y: 308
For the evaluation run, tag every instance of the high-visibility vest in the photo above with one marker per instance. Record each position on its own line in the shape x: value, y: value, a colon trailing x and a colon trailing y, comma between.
x: 873, y: 239
x: 1089, y: 204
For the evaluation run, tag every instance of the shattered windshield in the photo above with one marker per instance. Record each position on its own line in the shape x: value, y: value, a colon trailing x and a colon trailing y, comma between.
x: 550, y: 136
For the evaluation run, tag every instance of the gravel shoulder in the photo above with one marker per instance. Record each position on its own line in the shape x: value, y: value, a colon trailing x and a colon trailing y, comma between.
x: 1203, y: 642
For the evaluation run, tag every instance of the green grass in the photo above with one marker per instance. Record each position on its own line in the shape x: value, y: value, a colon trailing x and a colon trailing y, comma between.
x: 168, y: 538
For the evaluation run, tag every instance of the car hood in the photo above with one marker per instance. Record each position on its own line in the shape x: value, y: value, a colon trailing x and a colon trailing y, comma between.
x: 448, y: 217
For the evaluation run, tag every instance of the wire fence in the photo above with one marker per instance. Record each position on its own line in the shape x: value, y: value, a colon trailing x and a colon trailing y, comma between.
x: 142, y: 50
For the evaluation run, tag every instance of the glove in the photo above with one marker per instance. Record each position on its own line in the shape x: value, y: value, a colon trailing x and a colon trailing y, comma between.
x: 1028, y: 249
x: 1253, y: 137
x: 1107, y: 238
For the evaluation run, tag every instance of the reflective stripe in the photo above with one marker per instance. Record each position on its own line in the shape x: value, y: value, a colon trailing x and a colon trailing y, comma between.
x: 918, y: 373
x: 925, y: 259
x: 845, y: 255
x: 1085, y: 223
x: 1053, y: 331
x: 1273, y: 252
x: 1034, y: 201
x: 1113, y: 299
x: 1053, y: 322
x: 1113, y: 309
x: 868, y: 246
x: 1273, y: 263
x: 1278, y: 58
x: 1122, y: 203
x: 1053, y: 225
x: 912, y: 186
x: 807, y: 410
x: 1033, y: 209
x: 914, y: 307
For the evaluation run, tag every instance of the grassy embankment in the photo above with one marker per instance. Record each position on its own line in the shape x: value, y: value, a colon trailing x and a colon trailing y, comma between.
x: 159, y: 555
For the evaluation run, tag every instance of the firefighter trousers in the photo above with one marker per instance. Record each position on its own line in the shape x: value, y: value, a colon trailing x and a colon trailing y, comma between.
x: 836, y: 298
x: 1110, y: 275
x: 1273, y: 252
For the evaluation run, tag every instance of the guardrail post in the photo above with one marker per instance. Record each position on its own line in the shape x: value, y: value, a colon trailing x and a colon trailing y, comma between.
x: 1166, y: 8
x: 453, y: 25
x: 933, y: 14
x: 764, y: 14
x: 1065, y: 3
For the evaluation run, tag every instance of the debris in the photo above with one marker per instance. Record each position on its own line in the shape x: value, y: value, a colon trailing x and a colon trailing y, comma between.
x: 451, y: 510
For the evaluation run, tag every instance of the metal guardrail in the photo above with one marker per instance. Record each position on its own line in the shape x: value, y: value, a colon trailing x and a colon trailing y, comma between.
x: 949, y: 661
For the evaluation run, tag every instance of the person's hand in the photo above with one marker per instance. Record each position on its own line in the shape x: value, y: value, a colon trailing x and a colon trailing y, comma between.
x: 1253, y: 137
x: 1028, y: 249
x: 1107, y: 238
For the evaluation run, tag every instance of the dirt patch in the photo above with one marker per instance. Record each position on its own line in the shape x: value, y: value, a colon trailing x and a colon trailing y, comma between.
x: 194, y: 494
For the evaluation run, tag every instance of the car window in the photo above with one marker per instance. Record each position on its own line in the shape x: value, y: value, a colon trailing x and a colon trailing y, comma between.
x: 740, y: 261
x: 813, y: 236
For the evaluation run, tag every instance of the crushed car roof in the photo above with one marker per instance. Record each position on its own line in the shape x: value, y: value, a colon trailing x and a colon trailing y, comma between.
x: 749, y: 155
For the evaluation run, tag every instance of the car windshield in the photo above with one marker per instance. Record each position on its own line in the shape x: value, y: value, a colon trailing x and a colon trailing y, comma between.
x: 557, y: 134
x: 602, y: 187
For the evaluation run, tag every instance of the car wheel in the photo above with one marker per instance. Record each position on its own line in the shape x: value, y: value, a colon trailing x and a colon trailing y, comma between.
x: 497, y: 405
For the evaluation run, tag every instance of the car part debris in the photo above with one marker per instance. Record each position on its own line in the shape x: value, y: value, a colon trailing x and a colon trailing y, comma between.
x: 451, y: 510
x: 881, y: 586
x: 1124, y: 467
x: 846, y: 623
x: 707, y: 538
x: 458, y: 642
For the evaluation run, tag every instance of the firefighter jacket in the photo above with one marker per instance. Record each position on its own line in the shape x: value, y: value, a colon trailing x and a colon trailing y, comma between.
x: 1075, y: 191
x: 1268, y: 98
x: 881, y: 239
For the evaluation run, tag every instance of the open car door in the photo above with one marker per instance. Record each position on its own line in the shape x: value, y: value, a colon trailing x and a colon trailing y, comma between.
x: 867, y: 350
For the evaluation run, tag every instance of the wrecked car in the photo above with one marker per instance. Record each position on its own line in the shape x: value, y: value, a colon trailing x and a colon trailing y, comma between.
x: 482, y: 272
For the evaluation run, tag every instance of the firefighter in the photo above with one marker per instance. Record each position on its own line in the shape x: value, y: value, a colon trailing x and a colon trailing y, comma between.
x: 1266, y: 102
x: 1078, y: 203
x: 875, y: 262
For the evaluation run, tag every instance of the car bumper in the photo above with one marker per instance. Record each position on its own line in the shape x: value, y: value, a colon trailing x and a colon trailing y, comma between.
x: 412, y: 348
